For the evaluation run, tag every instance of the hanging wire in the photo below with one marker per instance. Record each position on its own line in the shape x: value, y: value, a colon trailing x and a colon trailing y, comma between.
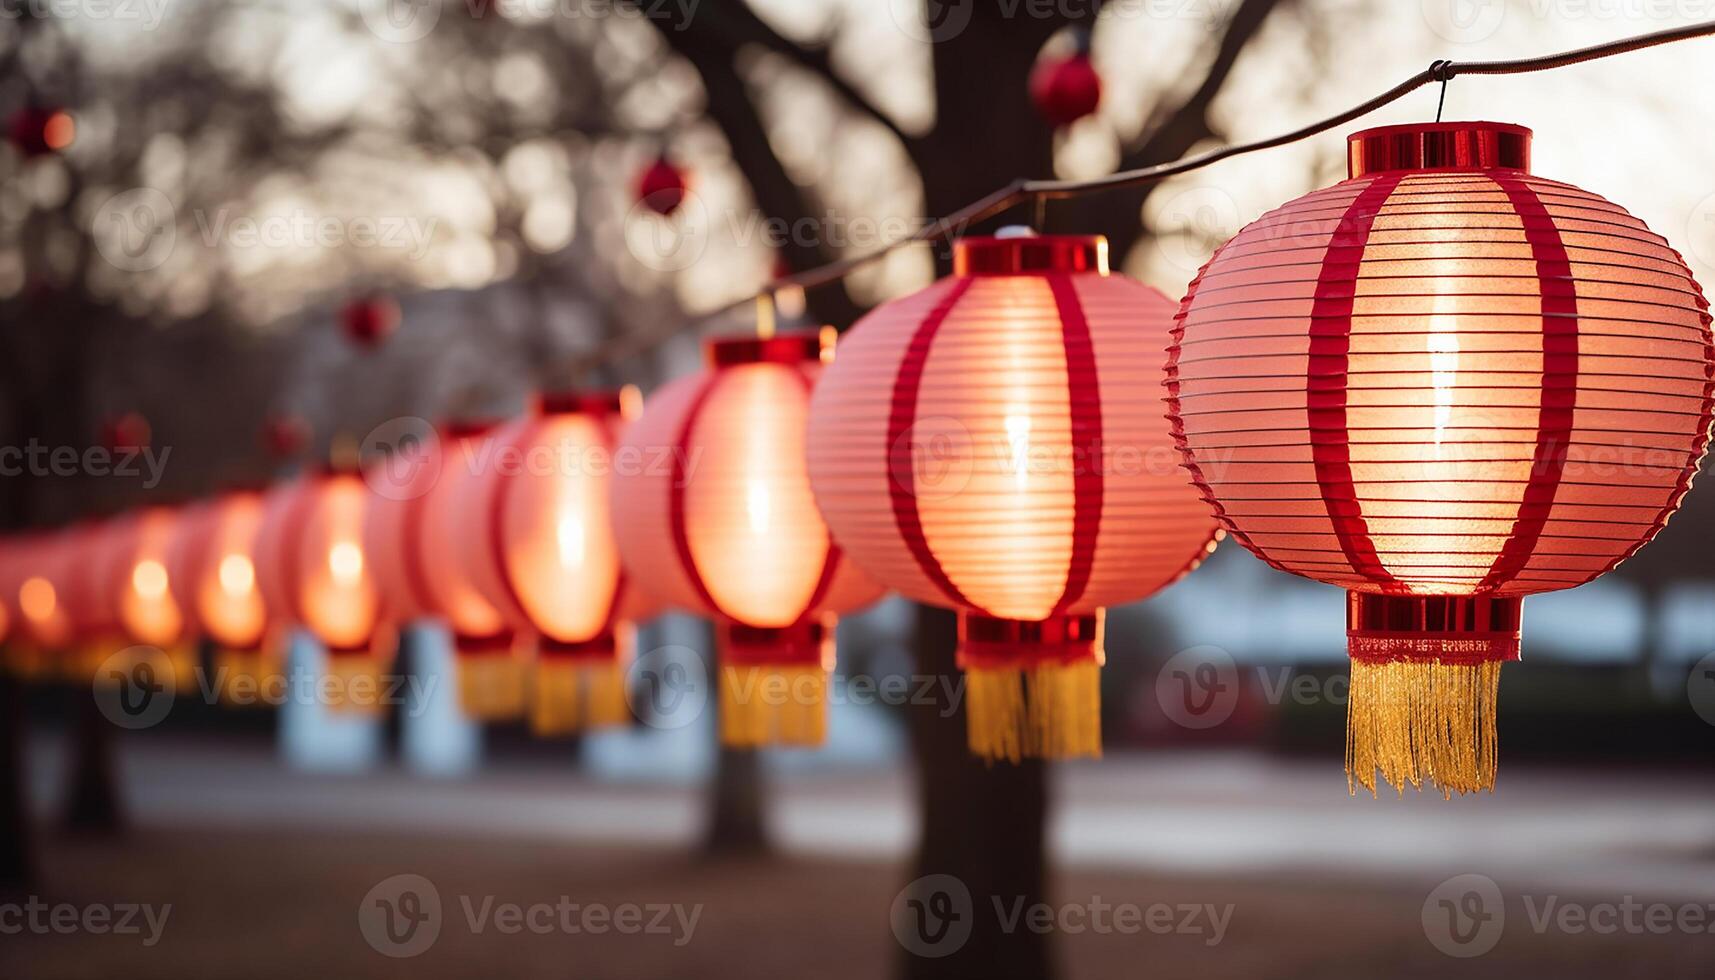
x: 1037, y: 192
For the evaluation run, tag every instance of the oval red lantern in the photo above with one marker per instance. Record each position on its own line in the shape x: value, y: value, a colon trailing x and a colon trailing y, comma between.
x: 662, y: 187
x: 214, y: 580
x: 989, y: 444
x: 36, y: 589
x: 1442, y: 384
x: 547, y: 558
x: 490, y: 669
x: 134, y: 584
x: 1065, y: 90
x: 713, y: 513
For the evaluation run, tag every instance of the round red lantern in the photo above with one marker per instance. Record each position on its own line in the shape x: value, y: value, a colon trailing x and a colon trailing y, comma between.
x: 713, y: 513
x: 1067, y: 89
x: 133, y: 582
x: 36, y: 584
x: 1442, y: 384
x: 214, y: 580
x: 662, y: 187
x: 990, y: 444
x: 369, y: 320
x: 545, y: 556
x: 490, y: 669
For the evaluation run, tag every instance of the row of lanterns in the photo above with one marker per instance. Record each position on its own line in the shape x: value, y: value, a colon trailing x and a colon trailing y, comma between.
x: 1442, y: 384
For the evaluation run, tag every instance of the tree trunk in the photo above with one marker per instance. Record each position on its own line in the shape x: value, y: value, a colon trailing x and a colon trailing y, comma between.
x: 738, y: 822
x: 93, y: 800
x: 17, y: 859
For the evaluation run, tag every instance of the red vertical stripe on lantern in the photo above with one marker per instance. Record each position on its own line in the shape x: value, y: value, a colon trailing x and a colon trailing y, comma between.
x: 831, y: 560
x: 1559, y: 381
x: 676, y: 491
x: 901, y: 466
x: 1084, y: 403
x: 1330, y: 350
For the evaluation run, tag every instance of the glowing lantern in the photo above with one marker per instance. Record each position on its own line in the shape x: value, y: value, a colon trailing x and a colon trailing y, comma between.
x: 1442, y: 385
x: 994, y: 443
x: 134, y: 585
x: 491, y: 672
x: 35, y: 585
x: 548, y: 559
x: 213, y: 572
x: 398, y: 483
x: 717, y: 517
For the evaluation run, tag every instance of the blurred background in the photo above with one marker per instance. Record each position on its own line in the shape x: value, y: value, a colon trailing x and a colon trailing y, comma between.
x: 242, y: 233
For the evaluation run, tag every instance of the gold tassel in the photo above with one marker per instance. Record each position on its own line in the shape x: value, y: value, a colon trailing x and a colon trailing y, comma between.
x: 1418, y: 721
x: 491, y: 686
x: 774, y: 705
x: 568, y: 696
x: 1051, y: 711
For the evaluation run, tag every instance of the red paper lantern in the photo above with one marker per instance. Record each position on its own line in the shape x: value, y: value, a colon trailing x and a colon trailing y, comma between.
x: 715, y: 515
x: 368, y: 321
x: 36, y: 585
x: 662, y: 187
x: 133, y: 587
x: 544, y: 555
x: 398, y: 483
x: 214, y: 580
x: 36, y: 131
x: 1065, y: 90
x: 991, y: 443
x: 490, y: 668
x: 1442, y: 385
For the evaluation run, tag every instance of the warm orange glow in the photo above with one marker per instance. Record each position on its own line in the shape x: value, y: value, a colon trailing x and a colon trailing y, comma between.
x: 225, y: 593
x: 59, y: 131
x: 448, y: 519
x: 37, y: 600
x: 237, y: 576
x: 147, y: 610
x: 337, y: 594
x: 149, y: 579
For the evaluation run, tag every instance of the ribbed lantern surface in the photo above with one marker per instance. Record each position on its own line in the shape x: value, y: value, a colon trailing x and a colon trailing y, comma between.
x: 713, y: 513
x: 214, y: 582
x: 995, y: 443
x: 1442, y: 384
x: 547, y: 558
x: 451, y: 520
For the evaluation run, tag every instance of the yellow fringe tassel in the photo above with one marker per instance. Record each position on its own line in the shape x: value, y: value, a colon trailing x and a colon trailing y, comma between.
x: 1422, y: 721
x: 1050, y: 712
x: 491, y: 687
x: 568, y: 697
x: 354, y: 684
x: 774, y: 705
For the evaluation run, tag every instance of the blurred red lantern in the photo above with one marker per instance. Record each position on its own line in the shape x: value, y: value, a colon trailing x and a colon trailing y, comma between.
x: 1442, y: 385
x: 991, y: 443
x: 718, y: 518
x: 1066, y: 89
x: 662, y: 187
x: 548, y: 560
x: 214, y: 581
x: 35, y: 581
x: 128, y: 431
x: 369, y: 320
x: 398, y: 484
x: 134, y: 585
x: 36, y: 131
x: 285, y: 436
x: 491, y: 672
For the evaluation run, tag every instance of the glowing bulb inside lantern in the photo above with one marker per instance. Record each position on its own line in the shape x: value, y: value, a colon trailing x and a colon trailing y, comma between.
x: 149, y: 579
x: 37, y: 599
x: 569, y: 535
x: 237, y: 575
x: 1018, y: 437
x: 756, y: 506
x: 345, y: 561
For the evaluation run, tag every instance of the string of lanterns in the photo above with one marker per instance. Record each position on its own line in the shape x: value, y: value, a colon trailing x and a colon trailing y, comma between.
x: 1415, y: 385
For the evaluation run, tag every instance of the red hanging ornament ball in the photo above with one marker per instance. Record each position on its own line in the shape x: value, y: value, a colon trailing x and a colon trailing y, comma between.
x: 285, y: 436
x: 662, y: 187
x: 128, y: 432
x: 368, y: 321
x: 35, y: 131
x: 1065, y: 90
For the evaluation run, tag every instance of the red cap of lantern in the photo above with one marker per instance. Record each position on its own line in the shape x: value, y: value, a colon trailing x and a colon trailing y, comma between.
x: 717, y: 517
x: 491, y: 674
x: 1067, y: 89
x: 1441, y: 384
x: 369, y: 320
x: 662, y: 187
x: 549, y: 562
x: 990, y: 444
